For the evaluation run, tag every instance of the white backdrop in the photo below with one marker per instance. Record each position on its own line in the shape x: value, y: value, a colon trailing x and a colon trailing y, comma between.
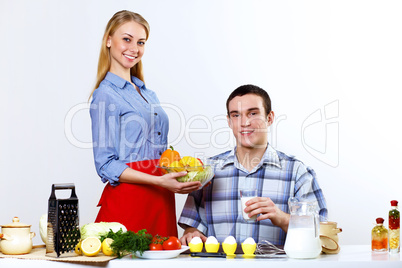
x: 332, y: 69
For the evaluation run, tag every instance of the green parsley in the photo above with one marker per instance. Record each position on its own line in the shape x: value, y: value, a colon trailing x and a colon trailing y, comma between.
x: 129, y: 242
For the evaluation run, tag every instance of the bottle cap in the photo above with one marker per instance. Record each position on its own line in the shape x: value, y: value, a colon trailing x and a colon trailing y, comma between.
x: 379, y: 220
x: 394, y: 203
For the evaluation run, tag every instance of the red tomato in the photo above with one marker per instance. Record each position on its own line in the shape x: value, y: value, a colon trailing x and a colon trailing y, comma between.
x: 154, y: 246
x: 172, y: 243
x: 157, y: 239
x: 156, y: 243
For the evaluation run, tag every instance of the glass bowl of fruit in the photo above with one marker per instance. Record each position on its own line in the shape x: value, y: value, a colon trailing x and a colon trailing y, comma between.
x: 196, y: 169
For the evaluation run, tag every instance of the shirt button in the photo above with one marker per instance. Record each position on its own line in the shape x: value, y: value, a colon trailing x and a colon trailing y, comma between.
x: 159, y: 133
x: 155, y: 113
x: 160, y: 153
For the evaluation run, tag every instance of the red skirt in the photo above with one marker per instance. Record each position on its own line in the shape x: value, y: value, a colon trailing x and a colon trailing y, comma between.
x: 140, y: 206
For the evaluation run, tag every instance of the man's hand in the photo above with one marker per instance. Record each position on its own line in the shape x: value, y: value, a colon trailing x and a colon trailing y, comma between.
x: 268, y: 210
x: 189, y: 233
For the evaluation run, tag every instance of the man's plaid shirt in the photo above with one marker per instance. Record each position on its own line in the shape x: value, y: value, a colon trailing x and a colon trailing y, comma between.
x: 215, y: 210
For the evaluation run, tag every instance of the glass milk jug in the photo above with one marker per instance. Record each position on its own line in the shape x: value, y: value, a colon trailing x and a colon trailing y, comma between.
x: 303, y: 236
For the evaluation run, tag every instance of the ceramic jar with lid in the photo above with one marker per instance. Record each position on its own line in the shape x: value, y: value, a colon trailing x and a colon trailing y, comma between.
x: 329, y: 237
x: 16, y: 238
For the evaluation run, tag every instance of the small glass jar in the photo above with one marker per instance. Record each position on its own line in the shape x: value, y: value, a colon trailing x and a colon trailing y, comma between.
x: 394, y: 224
x: 379, y: 237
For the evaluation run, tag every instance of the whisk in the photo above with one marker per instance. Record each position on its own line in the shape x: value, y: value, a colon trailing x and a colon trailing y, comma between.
x: 267, y: 249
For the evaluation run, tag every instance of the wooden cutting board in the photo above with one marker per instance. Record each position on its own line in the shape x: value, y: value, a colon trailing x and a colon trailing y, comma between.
x: 39, y: 253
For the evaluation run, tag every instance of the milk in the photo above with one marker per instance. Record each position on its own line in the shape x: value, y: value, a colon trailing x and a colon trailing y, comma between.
x: 302, y: 243
x: 243, y: 206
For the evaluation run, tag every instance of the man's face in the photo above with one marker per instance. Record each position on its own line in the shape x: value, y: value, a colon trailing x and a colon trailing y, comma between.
x: 248, y: 121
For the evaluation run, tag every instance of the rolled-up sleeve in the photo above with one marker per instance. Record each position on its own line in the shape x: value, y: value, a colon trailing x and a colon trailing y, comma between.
x: 105, y: 134
x: 191, y: 215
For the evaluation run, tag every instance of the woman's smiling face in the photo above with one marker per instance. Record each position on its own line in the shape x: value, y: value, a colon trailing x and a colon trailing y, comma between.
x: 126, y: 46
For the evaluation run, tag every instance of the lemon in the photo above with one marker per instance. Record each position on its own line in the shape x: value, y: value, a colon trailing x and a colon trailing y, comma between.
x: 77, y: 248
x: 91, y: 246
x: 106, y: 249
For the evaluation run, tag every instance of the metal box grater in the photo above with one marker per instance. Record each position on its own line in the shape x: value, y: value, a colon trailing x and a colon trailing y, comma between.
x: 63, y: 232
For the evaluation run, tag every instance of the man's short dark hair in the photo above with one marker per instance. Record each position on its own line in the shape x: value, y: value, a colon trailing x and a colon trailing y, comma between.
x: 251, y: 89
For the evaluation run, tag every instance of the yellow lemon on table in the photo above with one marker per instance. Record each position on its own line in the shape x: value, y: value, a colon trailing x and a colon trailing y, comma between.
x: 77, y: 248
x: 91, y: 246
x: 106, y: 248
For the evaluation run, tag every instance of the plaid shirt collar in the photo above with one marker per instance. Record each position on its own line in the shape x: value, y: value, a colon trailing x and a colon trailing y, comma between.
x: 270, y: 157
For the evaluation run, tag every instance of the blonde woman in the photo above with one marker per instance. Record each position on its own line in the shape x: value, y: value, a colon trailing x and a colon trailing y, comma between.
x: 129, y: 132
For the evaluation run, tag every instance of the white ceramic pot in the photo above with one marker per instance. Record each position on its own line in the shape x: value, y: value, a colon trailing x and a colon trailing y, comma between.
x: 16, y: 238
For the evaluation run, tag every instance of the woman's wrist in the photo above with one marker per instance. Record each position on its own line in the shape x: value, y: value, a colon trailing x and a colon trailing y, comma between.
x: 157, y: 180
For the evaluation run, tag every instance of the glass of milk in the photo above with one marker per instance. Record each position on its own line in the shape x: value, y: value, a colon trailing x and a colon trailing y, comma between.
x: 245, y: 195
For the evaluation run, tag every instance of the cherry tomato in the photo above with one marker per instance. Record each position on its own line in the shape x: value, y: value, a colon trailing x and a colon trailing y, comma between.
x: 157, y: 239
x: 172, y: 243
x: 154, y: 246
x: 156, y: 243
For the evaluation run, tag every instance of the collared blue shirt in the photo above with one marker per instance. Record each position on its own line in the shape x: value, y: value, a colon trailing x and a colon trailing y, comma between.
x: 216, y: 209
x: 126, y: 127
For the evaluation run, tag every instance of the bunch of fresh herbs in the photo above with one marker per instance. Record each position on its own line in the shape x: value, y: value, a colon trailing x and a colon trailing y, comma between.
x: 129, y: 242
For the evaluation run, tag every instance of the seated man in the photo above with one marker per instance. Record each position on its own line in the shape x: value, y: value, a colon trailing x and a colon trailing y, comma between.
x: 215, y: 210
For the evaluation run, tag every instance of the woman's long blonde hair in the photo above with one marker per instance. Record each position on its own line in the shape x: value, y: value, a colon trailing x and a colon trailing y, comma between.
x: 114, y: 23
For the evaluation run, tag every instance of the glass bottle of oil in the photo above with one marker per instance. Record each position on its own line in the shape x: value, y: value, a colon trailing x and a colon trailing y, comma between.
x: 379, y: 236
x: 394, y: 224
